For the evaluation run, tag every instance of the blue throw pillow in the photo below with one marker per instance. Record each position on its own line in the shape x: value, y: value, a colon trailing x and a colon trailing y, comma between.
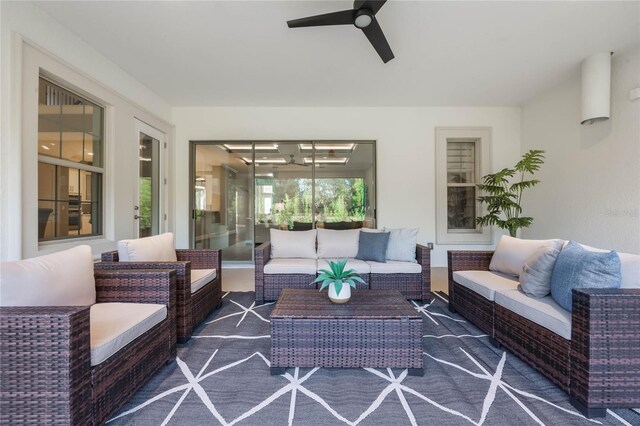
x: 580, y: 268
x: 373, y: 246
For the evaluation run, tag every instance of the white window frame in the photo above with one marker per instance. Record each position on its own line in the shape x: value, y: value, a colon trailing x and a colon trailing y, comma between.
x: 482, y: 138
x: 35, y: 64
x: 56, y: 161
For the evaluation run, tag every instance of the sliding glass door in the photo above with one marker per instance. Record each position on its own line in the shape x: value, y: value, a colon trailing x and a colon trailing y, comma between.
x: 242, y: 190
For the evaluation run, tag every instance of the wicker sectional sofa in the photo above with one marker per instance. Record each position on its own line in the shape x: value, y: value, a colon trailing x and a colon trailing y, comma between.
x: 412, y: 279
x: 592, y: 352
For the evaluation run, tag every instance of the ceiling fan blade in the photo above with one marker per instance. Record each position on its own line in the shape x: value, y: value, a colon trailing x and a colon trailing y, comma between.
x: 372, y: 5
x: 344, y: 17
x: 376, y: 37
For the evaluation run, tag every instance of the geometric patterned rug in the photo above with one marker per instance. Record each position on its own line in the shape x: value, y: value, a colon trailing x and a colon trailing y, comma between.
x: 221, y: 376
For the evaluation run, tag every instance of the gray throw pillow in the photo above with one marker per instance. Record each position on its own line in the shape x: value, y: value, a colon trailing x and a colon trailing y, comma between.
x: 402, y: 244
x: 535, y: 278
x: 373, y: 246
x: 579, y: 268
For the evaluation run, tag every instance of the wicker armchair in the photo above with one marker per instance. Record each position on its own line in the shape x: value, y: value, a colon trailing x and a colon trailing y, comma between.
x: 192, y: 308
x: 45, y: 356
x: 599, y: 367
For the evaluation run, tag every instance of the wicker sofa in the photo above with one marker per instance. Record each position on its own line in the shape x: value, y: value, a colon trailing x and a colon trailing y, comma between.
x: 198, y: 281
x: 53, y: 366
x: 412, y: 279
x: 592, y: 353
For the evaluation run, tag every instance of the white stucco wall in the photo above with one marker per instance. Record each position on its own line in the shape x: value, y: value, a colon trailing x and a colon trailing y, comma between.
x: 31, y: 40
x: 590, y: 190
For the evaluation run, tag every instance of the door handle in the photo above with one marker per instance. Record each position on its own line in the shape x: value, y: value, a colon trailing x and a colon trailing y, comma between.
x: 135, y: 216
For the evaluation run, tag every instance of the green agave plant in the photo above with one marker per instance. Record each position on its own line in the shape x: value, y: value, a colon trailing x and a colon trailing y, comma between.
x: 338, y: 276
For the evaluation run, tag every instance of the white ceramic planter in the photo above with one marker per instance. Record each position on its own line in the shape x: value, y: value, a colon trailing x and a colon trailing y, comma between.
x: 343, y: 297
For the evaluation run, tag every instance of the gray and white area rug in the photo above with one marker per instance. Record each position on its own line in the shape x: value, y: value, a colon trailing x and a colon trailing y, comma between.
x: 222, y: 377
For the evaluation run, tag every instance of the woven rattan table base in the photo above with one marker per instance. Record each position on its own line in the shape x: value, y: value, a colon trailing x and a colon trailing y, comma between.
x: 376, y: 328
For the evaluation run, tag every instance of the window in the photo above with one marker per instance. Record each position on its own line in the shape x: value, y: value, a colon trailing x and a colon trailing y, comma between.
x: 462, y: 155
x: 70, y: 164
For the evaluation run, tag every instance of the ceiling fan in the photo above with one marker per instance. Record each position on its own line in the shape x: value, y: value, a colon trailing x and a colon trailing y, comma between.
x: 292, y: 161
x: 362, y: 16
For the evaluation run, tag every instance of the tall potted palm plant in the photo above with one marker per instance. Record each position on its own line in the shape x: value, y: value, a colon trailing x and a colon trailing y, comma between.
x: 503, y: 197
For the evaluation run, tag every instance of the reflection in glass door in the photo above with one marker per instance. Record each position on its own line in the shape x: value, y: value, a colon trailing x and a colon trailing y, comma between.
x: 148, y: 203
x: 222, y: 200
x: 243, y: 190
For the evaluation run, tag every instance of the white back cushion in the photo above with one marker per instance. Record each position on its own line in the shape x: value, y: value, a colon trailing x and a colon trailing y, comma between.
x: 293, y: 244
x: 629, y: 267
x: 64, y: 278
x: 338, y: 243
x: 511, y: 254
x: 402, y: 244
x: 159, y: 248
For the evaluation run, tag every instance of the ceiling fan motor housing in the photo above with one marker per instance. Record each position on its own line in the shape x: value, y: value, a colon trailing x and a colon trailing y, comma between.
x: 363, y: 18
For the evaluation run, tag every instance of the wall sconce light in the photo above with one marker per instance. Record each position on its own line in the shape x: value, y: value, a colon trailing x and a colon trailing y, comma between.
x: 596, y: 88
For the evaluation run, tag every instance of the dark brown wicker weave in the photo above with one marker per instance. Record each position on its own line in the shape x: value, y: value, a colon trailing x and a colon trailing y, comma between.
x: 193, y: 308
x: 375, y: 329
x: 412, y: 286
x: 599, y: 367
x: 45, y: 356
x: 605, y: 349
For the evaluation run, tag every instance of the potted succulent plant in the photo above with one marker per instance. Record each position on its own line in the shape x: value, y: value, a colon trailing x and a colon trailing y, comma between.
x: 338, y: 280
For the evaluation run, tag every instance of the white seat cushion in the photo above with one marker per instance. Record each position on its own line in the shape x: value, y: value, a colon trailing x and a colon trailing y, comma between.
x: 159, y: 248
x: 293, y: 244
x: 338, y: 243
x: 114, y: 325
x: 543, y: 311
x: 395, y: 267
x: 291, y: 266
x: 360, y: 266
x: 200, y: 277
x: 64, y: 278
x: 485, y: 283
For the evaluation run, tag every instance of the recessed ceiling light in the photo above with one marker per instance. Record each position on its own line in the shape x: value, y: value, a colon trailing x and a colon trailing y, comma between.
x: 248, y: 160
x: 336, y: 160
x: 248, y: 147
x: 337, y: 147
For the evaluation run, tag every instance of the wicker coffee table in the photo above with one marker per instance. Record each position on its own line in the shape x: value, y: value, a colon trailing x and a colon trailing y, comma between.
x: 376, y: 328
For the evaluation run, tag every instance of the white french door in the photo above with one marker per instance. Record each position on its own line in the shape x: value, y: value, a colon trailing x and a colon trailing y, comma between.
x: 148, y: 209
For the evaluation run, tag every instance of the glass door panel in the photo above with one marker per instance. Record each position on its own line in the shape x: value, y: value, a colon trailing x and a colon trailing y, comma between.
x: 242, y: 190
x: 344, y: 185
x: 147, y: 209
x: 222, y: 200
x: 283, y: 189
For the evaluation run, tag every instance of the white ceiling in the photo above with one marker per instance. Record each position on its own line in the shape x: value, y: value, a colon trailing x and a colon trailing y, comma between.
x: 448, y: 53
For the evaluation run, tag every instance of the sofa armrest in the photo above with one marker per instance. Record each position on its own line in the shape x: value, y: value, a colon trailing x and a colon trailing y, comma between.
x: 182, y: 269
x: 469, y: 260
x: 605, y: 348
x: 202, y: 258
x: 110, y: 256
x: 465, y: 260
x: 136, y: 286
x: 262, y: 256
x: 45, y: 365
x: 423, y: 256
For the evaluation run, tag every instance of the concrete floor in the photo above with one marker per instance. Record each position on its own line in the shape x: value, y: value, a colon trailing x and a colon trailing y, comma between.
x: 243, y: 279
